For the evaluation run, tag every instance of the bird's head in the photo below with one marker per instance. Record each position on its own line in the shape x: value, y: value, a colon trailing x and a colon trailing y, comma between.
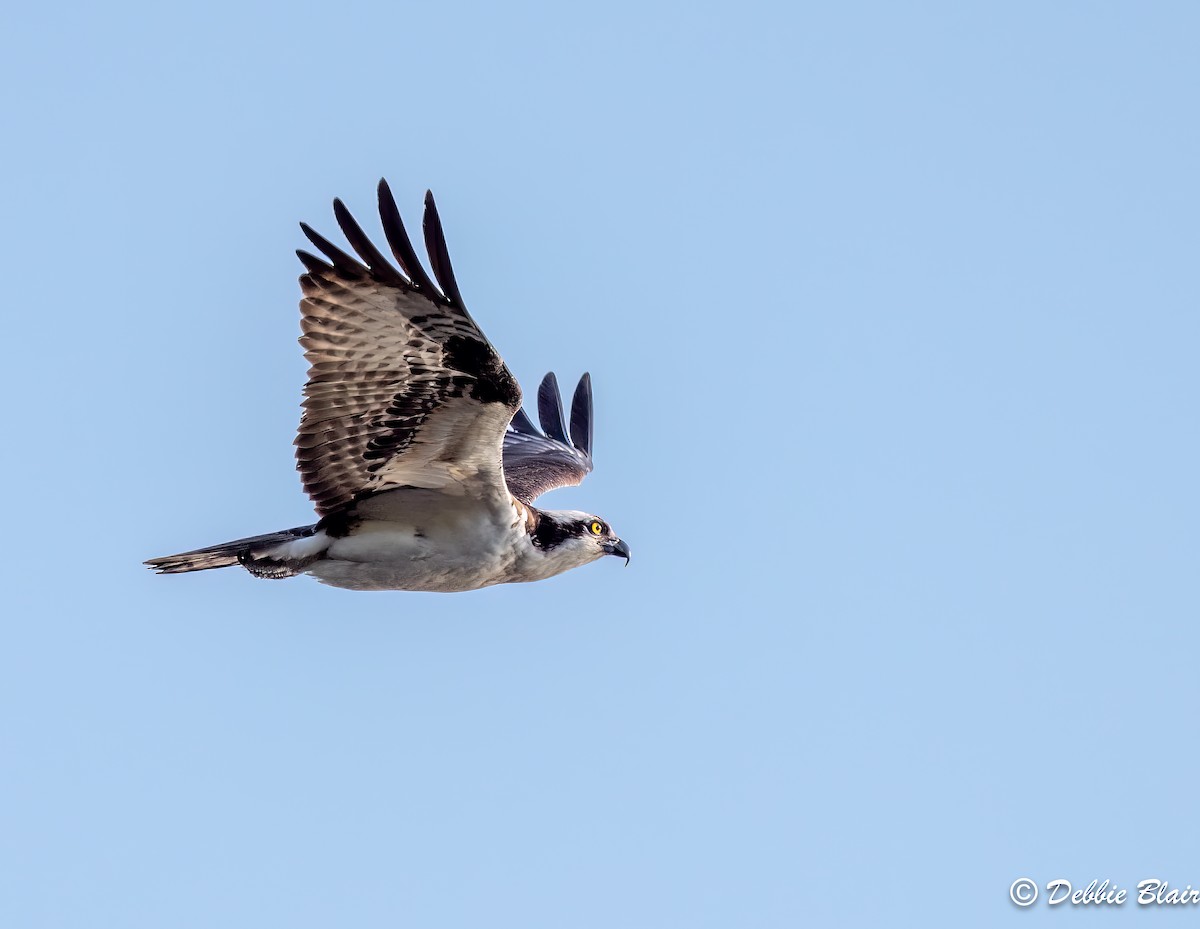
x: 572, y: 538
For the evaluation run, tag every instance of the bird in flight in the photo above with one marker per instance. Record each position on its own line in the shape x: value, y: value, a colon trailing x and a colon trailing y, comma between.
x: 413, y: 444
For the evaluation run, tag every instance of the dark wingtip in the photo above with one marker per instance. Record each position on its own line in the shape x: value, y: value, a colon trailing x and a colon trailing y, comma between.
x: 550, y: 410
x: 379, y: 266
x: 522, y: 424
x: 314, y: 264
x: 581, y: 415
x: 439, y: 256
x: 336, y: 257
x: 401, y: 244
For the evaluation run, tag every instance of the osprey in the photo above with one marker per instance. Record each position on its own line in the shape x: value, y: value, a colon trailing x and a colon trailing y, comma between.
x: 413, y: 443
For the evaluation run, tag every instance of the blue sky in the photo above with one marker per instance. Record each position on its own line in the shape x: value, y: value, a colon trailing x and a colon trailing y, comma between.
x: 892, y: 318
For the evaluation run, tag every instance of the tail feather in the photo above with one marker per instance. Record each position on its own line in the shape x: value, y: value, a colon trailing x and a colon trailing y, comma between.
x: 249, y: 553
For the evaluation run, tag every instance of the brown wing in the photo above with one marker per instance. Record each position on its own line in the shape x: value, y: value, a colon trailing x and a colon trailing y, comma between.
x: 403, y: 390
x: 535, y: 462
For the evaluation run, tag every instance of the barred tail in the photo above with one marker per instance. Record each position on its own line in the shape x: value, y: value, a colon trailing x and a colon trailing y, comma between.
x: 261, y: 555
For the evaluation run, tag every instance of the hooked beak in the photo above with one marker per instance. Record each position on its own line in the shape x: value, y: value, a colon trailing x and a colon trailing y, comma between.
x: 617, y: 547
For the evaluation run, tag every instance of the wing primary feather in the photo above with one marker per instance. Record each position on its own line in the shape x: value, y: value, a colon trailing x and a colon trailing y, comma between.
x: 314, y: 264
x: 439, y: 257
x: 550, y: 410
x: 521, y: 423
x: 401, y: 245
x: 339, y: 259
x: 539, y: 461
x: 581, y: 415
x: 379, y: 266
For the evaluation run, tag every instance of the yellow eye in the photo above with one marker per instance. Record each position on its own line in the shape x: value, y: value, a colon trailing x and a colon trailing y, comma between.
x: 597, y: 527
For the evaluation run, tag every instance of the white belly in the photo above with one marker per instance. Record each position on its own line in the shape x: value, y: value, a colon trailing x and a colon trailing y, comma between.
x: 394, y: 556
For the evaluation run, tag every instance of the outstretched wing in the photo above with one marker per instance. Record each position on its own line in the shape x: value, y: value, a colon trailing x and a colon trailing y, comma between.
x: 403, y: 390
x: 535, y: 462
